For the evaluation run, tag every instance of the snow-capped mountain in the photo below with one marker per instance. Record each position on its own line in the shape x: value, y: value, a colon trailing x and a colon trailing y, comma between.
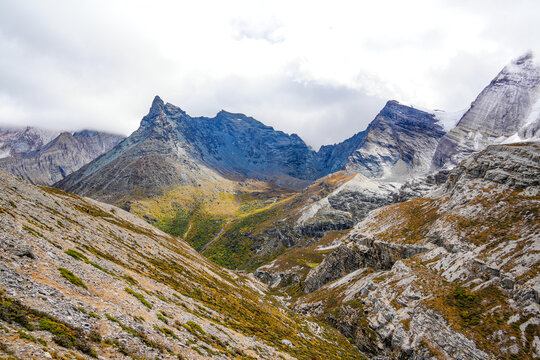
x: 507, y: 110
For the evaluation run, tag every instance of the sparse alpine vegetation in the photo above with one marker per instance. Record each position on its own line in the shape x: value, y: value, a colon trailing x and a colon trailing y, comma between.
x: 105, y: 283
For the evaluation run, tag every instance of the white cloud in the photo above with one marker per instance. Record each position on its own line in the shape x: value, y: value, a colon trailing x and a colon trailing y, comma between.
x: 315, y: 68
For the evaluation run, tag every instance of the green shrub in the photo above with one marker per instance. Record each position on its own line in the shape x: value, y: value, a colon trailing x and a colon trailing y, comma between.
x: 66, y: 336
x: 24, y: 335
x: 468, y: 304
x: 12, y: 311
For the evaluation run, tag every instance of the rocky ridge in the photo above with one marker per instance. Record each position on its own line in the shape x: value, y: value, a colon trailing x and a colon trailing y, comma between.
x: 16, y: 141
x: 180, y: 149
x: 453, y: 274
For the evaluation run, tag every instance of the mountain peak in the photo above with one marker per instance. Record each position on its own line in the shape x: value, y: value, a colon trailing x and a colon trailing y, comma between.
x: 528, y: 56
x: 506, y: 107
x: 156, y: 109
x: 157, y: 105
x: 400, y: 112
x: 520, y: 66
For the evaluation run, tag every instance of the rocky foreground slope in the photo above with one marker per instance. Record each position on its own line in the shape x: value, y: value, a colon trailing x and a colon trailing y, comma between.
x: 454, y: 274
x: 82, y: 279
x: 53, y: 161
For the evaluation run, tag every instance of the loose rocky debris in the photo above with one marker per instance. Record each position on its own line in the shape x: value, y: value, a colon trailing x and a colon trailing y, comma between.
x: 82, y: 279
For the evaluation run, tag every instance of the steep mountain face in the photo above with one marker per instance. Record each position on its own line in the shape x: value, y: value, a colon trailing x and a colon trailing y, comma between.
x: 334, y: 157
x: 509, y: 107
x: 82, y: 279
x: 453, y: 274
x: 58, y: 158
x: 178, y: 149
x: 398, y: 143
x: 19, y: 141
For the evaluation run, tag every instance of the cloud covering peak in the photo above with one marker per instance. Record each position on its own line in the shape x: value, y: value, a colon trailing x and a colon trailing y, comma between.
x: 317, y: 69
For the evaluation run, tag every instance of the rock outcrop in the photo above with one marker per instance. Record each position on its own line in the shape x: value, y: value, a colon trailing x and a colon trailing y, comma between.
x: 451, y: 274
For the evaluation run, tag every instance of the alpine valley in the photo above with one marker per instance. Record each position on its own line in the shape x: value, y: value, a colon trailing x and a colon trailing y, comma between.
x: 223, y: 238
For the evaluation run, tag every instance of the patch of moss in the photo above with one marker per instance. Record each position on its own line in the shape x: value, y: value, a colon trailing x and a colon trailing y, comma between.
x: 139, y: 297
x: 13, y: 311
x: 130, y: 280
x: 69, y: 276
x: 166, y: 331
x: 195, y: 327
x: 25, y: 335
x: 76, y: 255
x: 33, y: 231
x: 162, y: 318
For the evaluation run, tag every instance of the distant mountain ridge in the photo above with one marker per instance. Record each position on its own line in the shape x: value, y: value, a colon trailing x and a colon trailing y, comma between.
x: 17, y: 141
x: 177, y: 148
x: 48, y: 163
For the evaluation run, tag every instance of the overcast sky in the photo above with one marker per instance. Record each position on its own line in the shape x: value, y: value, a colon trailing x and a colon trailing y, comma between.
x: 319, y: 69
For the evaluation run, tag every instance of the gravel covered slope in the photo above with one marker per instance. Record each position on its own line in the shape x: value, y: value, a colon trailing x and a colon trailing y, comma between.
x: 79, y: 278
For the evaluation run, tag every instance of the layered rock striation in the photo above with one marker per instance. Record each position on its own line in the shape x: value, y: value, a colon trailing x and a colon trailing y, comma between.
x: 452, y: 273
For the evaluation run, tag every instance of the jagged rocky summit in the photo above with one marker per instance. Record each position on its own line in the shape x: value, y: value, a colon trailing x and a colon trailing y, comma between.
x: 507, y: 110
x: 397, y: 144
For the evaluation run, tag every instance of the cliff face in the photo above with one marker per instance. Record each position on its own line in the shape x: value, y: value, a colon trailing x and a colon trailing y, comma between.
x: 398, y: 143
x: 84, y: 279
x: 60, y: 157
x: 452, y: 273
x: 508, y: 107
